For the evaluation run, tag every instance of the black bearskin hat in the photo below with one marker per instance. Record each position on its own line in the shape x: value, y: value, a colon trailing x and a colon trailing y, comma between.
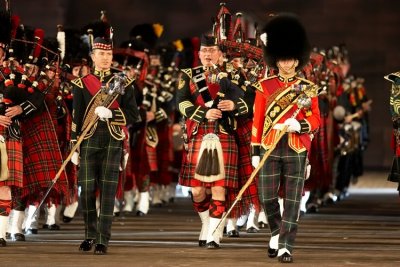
x: 5, y: 29
x: 286, y: 39
x: 149, y: 33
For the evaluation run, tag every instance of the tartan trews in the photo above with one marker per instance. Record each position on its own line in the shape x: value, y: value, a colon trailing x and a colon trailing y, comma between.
x: 99, y: 169
x: 282, y: 175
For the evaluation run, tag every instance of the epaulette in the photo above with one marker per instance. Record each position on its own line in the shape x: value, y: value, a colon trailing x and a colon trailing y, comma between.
x: 305, y: 81
x: 129, y: 81
x: 258, y: 86
x: 188, y: 72
x: 78, y: 82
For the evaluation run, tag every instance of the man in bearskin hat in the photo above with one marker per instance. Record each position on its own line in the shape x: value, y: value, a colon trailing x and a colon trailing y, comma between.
x: 101, y: 149
x: 286, y: 49
x: 206, y: 99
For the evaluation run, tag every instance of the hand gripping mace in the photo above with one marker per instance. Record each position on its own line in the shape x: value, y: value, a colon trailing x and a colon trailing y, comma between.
x: 111, y: 95
x: 303, y: 101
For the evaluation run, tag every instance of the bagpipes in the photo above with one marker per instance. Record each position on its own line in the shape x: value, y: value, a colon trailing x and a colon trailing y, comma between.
x: 210, y: 165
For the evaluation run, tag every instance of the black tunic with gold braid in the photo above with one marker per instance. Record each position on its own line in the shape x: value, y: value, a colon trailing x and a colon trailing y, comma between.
x: 100, y: 152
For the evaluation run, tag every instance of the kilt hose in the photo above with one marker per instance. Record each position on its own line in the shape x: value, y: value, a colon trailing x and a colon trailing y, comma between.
x: 99, y: 169
x: 250, y: 195
x: 230, y: 157
x: 284, y: 168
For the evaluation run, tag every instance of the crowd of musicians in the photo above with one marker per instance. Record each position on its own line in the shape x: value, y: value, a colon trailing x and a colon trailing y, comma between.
x: 175, y: 94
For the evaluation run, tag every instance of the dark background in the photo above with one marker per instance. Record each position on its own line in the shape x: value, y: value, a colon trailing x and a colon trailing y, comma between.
x: 369, y: 28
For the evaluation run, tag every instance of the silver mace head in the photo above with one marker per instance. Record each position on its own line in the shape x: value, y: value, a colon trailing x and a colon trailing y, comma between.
x: 304, y: 101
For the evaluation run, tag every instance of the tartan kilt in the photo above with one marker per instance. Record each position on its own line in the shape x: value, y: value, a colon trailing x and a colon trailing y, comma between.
x: 250, y: 195
x: 164, y: 155
x: 139, y: 167
x: 230, y: 157
x: 321, y: 169
x: 42, y: 159
x: 15, y: 162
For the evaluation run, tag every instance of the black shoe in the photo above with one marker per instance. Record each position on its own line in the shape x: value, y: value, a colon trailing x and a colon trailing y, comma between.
x: 140, y: 213
x: 67, y: 219
x: 31, y: 231
x: 252, y: 230
x: 86, y: 245
x: 116, y: 214
x: 100, y: 249
x: 17, y: 237
x: 233, y: 233
x: 202, y: 243
x: 45, y: 226
x: 54, y: 227
x: 272, y: 253
x: 212, y: 245
x: 285, y: 258
x: 8, y: 235
x: 3, y: 242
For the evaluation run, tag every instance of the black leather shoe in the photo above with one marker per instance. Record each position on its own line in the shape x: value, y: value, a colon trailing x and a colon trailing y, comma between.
x: 45, y: 226
x: 272, y: 253
x: 86, y: 245
x: 252, y: 230
x: 3, y: 242
x: 212, y: 245
x: 67, y: 219
x: 140, y: 213
x: 17, y: 237
x: 285, y: 258
x: 233, y: 233
x: 54, y: 227
x: 31, y: 231
x: 8, y: 235
x: 202, y: 243
x: 100, y: 249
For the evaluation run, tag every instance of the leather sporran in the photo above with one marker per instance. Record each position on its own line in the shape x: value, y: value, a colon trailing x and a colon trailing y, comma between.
x: 210, y: 164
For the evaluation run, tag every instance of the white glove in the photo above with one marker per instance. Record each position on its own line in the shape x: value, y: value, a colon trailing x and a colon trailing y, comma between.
x: 122, y: 166
x: 293, y: 125
x: 75, y: 158
x: 278, y: 126
x: 255, y: 160
x: 103, y: 113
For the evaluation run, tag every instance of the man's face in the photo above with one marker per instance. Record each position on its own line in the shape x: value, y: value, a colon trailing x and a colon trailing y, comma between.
x: 209, y: 55
x: 287, y: 66
x: 102, y: 59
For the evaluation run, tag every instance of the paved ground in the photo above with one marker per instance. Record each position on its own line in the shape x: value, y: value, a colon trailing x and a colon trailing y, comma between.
x: 361, y: 230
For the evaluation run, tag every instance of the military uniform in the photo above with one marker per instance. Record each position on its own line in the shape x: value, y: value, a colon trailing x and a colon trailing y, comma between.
x: 394, y: 78
x: 101, y: 151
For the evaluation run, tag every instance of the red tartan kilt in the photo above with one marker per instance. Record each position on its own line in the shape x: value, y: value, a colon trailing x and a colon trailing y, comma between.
x: 138, y: 166
x: 189, y: 161
x: 321, y: 170
x: 14, y: 164
x: 250, y: 195
x: 42, y: 157
x: 164, y: 155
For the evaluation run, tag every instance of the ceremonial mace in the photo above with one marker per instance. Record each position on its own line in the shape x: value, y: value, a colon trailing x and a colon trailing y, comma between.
x: 303, y: 101
x: 111, y: 94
